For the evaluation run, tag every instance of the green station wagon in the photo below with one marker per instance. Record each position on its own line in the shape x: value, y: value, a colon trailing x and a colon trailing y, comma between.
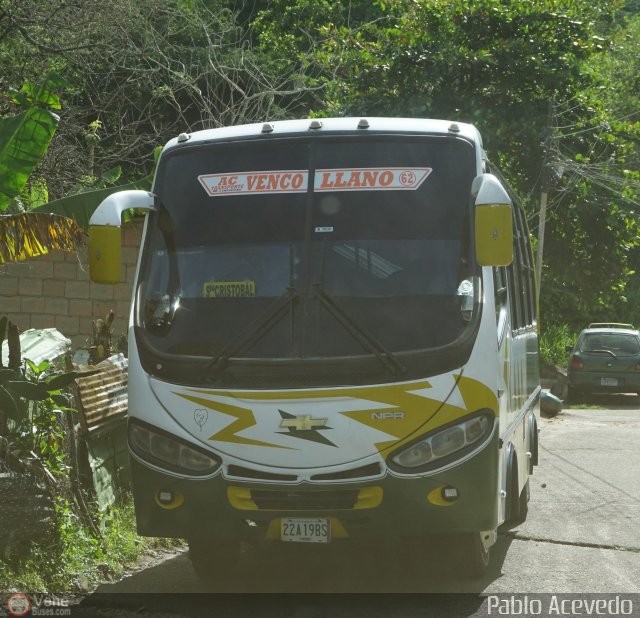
x: 605, y: 359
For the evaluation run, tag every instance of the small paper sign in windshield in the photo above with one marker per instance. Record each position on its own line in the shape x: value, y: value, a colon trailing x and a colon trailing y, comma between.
x: 229, y: 289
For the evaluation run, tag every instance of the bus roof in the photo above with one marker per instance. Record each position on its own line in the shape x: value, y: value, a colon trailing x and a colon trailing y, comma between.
x: 330, y: 125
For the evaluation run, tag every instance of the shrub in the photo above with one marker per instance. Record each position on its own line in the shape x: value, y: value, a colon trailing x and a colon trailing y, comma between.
x: 553, y: 342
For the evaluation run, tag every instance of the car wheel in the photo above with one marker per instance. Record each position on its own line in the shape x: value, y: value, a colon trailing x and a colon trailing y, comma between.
x: 213, y: 560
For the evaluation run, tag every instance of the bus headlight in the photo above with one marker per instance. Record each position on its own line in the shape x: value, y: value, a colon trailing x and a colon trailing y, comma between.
x: 443, y: 445
x: 166, y: 452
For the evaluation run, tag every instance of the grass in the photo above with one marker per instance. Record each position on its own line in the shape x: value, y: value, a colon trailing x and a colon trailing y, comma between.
x: 73, y: 558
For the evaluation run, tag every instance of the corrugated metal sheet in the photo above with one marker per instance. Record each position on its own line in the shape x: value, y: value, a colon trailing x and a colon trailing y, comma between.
x: 103, y: 396
x: 40, y: 345
x: 103, y: 404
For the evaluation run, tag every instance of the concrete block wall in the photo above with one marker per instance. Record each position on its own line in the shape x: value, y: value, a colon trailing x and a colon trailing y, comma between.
x: 54, y: 291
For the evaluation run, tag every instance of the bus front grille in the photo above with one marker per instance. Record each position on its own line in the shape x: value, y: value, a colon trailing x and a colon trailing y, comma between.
x: 248, y: 473
x: 354, y: 473
x: 304, y: 500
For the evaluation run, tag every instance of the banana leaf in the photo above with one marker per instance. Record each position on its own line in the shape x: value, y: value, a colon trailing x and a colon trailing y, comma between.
x: 24, y: 140
x: 80, y: 206
x: 28, y: 390
x: 29, y: 234
x: 8, y: 405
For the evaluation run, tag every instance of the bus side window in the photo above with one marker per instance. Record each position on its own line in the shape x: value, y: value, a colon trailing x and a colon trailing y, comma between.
x: 515, y: 304
x: 526, y: 269
x: 523, y: 293
x: 520, y: 275
x: 501, y: 297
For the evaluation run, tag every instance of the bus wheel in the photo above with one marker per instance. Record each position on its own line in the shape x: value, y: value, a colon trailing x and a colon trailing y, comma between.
x: 213, y: 561
x: 512, y: 506
x: 523, y: 502
x: 535, y: 444
x: 471, y: 555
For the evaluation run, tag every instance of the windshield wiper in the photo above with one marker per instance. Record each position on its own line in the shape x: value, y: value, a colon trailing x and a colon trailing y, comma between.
x: 252, y: 333
x: 368, y: 341
x: 603, y: 351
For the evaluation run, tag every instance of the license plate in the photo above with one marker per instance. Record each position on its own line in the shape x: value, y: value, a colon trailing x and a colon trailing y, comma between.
x: 305, y: 530
x: 608, y: 381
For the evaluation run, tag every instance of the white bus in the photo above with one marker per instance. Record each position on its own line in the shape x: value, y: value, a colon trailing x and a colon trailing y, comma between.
x: 332, y: 337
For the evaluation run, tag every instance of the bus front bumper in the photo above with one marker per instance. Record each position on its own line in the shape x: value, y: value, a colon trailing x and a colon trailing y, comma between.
x: 463, y: 498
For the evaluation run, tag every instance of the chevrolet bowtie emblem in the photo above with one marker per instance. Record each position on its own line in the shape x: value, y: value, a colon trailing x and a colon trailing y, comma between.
x: 305, y: 427
x: 303, y: 423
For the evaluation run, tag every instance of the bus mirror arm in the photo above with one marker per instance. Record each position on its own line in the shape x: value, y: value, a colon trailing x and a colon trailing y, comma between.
x: 110, y: 210
x: 105, y: 245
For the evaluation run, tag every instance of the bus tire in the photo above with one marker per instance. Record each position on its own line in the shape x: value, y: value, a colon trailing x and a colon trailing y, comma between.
x: 534, y: 444
x: 471, y: 555
x: 213, y: 560
x: 523, y: 503
x: 512, y: 506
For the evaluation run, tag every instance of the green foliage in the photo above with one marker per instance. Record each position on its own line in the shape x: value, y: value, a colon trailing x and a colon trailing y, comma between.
x: 33, y: 399
x: 31, y: 403
x: 593, y: 248
x: 554, y: 340
x: 489, y: 62
x: 80, y: 206
x: 25, y: 137
x: 73, y: 558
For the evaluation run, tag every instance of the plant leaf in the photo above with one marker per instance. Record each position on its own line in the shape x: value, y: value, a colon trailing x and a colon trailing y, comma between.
x: 37, y: 193
x: 8, y: 374
x: 8, y: 405
x: 60, y: 400
x: 28, y: 390
x: 31, y: 234
x: 62, y: 381
x: 24, y: 139
x: 80, y: 206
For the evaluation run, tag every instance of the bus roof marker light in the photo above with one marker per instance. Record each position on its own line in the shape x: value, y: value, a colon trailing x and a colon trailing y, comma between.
x: 315, y: 124
x: 267, y: 127
x: 183, y: 137
x: 454, y: 127
x: 363, y: 123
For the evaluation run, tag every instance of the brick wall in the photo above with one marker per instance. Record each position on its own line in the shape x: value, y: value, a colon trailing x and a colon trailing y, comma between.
x: 54, y: 291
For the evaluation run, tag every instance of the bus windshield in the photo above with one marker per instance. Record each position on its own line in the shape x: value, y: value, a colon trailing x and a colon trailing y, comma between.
x: 313, y: 249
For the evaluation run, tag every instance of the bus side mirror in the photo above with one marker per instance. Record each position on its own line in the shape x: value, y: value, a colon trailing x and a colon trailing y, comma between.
x: 494, y: 222
x: 105, y: 241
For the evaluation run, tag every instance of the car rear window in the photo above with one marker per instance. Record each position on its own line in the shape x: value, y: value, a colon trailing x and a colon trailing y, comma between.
x: 618, y: 343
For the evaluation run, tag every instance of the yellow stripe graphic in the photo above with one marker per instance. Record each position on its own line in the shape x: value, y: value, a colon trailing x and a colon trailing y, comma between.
x: 245, y: 419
